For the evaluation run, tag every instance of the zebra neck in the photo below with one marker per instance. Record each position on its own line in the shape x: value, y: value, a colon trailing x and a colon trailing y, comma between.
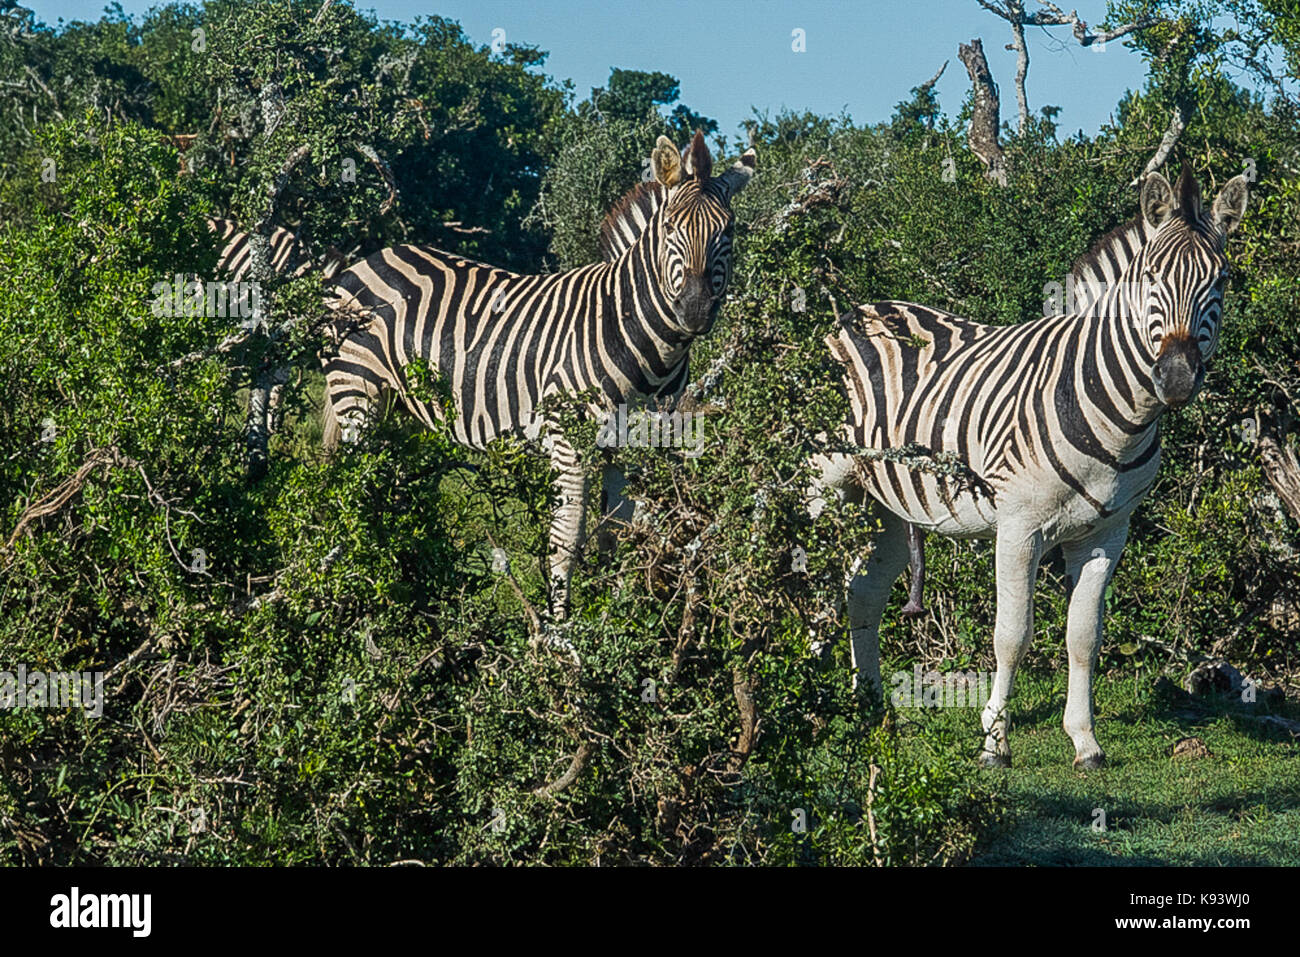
x: 638, y: 313
x: 1117, y: 354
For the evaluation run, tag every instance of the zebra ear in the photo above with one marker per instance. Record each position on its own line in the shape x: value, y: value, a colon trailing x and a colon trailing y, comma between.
x: 735, y: 179
x: 665, y: 163
x: 697, y: 160
x: 1157, y: 202
x: 1230, y: 205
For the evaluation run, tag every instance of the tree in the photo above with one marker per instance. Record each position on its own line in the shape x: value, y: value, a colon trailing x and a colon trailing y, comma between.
x: 634, y: 94
x: 1014, y: 13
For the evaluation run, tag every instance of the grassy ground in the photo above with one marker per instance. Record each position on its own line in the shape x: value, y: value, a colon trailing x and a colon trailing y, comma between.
x: 1238, y: 806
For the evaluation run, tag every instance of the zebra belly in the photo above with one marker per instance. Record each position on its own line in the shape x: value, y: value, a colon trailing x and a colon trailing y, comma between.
x: 930, y: 502
x: 1038, y: 501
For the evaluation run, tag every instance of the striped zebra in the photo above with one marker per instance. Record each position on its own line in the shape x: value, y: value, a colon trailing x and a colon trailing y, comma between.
x: 1059, y: 417
x: 288, y: 256
x: 505, y: 342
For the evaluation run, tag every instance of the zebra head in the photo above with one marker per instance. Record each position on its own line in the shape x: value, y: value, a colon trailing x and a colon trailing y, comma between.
x: 1183, y: 274
x: 694, y: 229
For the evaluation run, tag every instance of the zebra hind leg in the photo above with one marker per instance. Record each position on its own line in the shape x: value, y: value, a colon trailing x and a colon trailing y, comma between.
x: 1089, y: 566
x: 616, y: 510
x: 868, y: 593
x: 566, y: 533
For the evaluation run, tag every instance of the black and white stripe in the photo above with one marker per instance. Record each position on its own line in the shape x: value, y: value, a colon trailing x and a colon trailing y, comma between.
x: 287, y: 255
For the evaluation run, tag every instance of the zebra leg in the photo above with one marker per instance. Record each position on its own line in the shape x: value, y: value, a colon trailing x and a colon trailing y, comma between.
x: 567, y: 523
x: 868, y: 593
x: 615, y: 509
x: 1018, y: 554
x: 1089, y: 565
x: 835, y: 476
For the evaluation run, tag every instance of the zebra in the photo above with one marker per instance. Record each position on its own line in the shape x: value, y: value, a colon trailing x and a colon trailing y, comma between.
x: 288, y: 256
x: 1058, y: 417
x: 505, y: 342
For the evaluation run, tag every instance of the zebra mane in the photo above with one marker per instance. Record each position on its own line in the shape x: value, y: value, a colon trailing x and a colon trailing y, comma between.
x: 1106, y: 261
x: 627, y: 220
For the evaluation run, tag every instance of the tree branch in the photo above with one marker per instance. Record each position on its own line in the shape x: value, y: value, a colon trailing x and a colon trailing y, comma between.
x: 983, y: 133
x: 1013, y: 11
x: 56, y: 498
x: 1177, y: 123
x: 1281, y: 466
x: 570, y: 775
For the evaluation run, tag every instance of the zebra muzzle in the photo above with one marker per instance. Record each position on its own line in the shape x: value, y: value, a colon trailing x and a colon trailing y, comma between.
x: 1179, y: 372
x: 695, y: 305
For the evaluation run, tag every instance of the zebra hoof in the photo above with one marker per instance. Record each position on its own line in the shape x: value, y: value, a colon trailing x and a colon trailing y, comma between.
x: 1090, y: 763
x: 988, y: 760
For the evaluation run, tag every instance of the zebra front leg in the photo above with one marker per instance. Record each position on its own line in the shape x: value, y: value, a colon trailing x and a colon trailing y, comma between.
x: 567, y: 523
x: 868, y: 594
x: 1089, y: 566
x: 1018, y: 554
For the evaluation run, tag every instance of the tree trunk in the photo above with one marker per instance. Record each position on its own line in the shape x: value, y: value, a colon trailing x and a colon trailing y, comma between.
x: 984, y: 122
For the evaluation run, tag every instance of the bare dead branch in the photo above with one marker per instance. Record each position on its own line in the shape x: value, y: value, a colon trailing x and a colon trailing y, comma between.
x: 1281, y: 467
x: 378, y: 163
x: 742, y: 687
x: 571, y: 773
x: 1013, y: 11
x: 1177, y: 123
x: 983, y: 133
x: 456, y: 226
x: 928, y: 85
x: 871, y: 815
x: 54, y: 500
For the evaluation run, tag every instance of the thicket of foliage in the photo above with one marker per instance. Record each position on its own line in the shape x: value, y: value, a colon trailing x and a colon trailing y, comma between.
x: 352, y: 674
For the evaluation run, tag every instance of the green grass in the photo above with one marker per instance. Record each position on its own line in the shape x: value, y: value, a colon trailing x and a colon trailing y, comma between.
x: 1239, y: 806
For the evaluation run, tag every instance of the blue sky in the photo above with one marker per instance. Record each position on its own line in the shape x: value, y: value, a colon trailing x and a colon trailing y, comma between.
x: 862, y: 56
